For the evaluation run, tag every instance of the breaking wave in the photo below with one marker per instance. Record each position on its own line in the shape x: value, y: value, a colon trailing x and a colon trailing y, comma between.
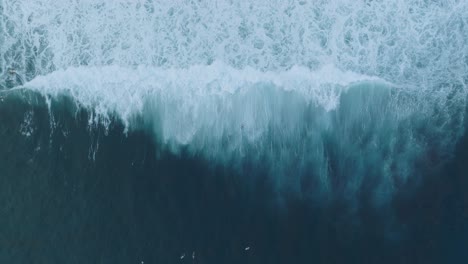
x: 322, y: 94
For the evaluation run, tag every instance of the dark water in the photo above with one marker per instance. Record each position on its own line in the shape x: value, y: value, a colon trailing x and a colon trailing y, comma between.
x: 131, y: 201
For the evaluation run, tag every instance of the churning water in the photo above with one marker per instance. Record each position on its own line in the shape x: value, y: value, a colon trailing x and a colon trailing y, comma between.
x: 188, y: 131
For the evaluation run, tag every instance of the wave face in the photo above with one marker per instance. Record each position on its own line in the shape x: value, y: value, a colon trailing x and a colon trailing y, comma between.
x: 309, y: 129
x: 271, y: 82
x: 303, y: 103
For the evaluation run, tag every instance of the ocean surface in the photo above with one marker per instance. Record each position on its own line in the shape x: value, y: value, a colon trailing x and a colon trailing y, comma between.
x: 194, y: 131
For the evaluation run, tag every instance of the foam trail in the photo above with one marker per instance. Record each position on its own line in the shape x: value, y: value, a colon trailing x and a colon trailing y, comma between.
x: 409, y: 42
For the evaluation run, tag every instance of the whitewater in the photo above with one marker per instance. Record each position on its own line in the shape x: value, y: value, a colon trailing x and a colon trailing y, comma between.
x: 320, y: 89
x: 223, y: 131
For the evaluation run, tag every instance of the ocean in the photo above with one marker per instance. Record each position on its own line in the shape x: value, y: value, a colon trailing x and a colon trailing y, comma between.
x: 195, y: 131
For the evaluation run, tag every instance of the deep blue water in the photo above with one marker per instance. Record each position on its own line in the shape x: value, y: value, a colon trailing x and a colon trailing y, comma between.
x: 194, y: 131
x: 133, y: 203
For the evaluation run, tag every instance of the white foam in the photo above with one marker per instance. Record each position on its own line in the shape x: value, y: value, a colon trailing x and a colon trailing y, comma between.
x: 406, y: 42
x: 194, y: 96
x: 261, y: 78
